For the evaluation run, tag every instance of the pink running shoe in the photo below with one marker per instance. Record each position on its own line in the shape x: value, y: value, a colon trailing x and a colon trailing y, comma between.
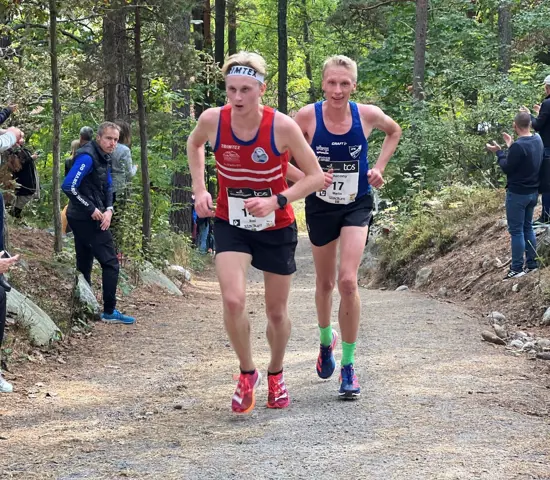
x: 278, y: 394
x: 243, y: 399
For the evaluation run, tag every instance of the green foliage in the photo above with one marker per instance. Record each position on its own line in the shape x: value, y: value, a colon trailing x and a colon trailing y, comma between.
x: 433, y: 221
x: 468, y: 101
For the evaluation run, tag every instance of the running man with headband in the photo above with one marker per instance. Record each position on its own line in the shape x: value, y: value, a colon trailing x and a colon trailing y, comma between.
x: 254, y: 222
x: 337, y: 130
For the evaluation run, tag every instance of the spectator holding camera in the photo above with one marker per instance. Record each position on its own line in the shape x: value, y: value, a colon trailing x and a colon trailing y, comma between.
x: 521, y: 164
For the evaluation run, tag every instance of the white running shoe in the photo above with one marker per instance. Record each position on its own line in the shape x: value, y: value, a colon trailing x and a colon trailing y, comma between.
x: 5, y: 386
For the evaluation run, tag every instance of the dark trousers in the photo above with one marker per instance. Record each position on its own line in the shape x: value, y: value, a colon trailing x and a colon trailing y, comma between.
x: 2, y: 313
x: 91, y: 242
x: 2, y: 208
x: 545, y: 183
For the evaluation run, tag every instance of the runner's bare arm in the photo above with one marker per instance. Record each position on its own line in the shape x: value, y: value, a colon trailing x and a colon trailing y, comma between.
x: 288, y: 137
x: 313, y: 180
x: 305, y: 118
x: 294, y: 174
x: 202, y: 132
x: 379, y: 120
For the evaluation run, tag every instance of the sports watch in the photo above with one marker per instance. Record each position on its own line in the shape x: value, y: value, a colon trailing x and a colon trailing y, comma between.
x: 281, y: 201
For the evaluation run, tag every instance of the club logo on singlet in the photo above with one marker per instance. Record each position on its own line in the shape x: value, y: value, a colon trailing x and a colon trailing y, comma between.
x: 231, y: 157
x: 355, y: 150
x: 259, y: 155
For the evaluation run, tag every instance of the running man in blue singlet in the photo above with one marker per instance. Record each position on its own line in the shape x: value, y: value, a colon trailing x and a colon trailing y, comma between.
x: 337, y: 130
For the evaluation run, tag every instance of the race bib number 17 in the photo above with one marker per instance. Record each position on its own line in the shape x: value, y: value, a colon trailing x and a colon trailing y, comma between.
x: 345, y: 182
x: 240, y: 217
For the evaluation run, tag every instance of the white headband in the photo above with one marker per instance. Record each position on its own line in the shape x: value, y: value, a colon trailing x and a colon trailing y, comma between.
x: 245, y: 72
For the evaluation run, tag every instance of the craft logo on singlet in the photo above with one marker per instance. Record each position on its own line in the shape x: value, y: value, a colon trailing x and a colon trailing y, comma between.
x: 259, y: 155
x: 231, y: 157
x: 355, y: 150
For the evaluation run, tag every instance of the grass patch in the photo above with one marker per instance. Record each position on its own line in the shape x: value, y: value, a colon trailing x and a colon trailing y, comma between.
x: 433, y: 221
x: 300, y: 214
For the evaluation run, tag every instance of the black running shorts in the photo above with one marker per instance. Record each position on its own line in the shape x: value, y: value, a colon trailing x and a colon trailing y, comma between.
x: 272, y: 250
x: 325, y: 220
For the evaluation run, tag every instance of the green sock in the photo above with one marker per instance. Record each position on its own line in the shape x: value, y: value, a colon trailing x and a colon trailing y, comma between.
x: 326, y: 335
x: 348, y: 353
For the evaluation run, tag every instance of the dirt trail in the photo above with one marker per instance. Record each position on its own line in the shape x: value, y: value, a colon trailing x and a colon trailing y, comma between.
x: 153, y: 401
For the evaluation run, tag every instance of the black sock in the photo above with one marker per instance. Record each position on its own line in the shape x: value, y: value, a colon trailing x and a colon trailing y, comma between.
x: 269, y: 374
x: 244, y: 372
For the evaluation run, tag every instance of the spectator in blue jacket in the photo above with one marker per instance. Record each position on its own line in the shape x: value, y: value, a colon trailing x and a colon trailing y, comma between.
x: 521, y: 164
x: 89, y: 188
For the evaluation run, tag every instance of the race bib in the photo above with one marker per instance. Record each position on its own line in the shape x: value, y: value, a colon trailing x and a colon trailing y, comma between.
x: 345, y: 182
x: 240, y: 217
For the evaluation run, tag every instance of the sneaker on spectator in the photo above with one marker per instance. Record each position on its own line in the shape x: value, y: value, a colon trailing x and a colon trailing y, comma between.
x: 530, y: 270
x: 513, y: 274
x: 117, y: 317
x: 5, y: 386
x: 542, y: 220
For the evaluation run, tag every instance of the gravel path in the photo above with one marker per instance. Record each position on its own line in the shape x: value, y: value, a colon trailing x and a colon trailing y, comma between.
x: 153, y: 401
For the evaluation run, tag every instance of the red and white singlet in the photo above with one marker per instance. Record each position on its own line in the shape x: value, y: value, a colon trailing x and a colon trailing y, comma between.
x: 250, y: 169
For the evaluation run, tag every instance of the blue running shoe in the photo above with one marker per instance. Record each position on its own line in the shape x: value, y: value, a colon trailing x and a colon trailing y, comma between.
x: 349, y: 385
x: 325, y: 361
x: 117, y: 317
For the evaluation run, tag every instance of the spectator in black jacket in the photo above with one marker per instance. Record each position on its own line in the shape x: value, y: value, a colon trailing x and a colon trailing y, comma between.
x: 89, y: 188
x: 521, y: 164
x: 21, y: 164
x: 541, y: 124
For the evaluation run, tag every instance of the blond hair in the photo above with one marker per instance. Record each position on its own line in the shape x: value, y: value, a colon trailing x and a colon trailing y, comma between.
x: 75, y: 145
x: 245, y: 59
x: 341, y: 61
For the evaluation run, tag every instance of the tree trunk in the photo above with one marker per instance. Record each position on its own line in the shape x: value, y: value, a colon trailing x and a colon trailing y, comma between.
x: 283, y: 57
x: 115, y: 49
x: 307, y: 59
x: 504, y: 35
x: 420, y: 49
x: 219, y: 46
x: 206, y: 33
x: 146, y: 225
x: 181, y: 218
x: 122, y: 68
x: 231, y: 27
x: 203, y: 43
x: 58, y: 243
x: 109, y: 66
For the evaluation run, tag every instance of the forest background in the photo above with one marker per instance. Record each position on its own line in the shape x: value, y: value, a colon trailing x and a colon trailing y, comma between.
x: 452, y: 73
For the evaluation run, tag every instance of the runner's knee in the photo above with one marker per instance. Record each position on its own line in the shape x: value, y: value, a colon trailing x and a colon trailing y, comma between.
x: 234, y: 303
x: 325, y: 285
x: 276, y: 315
x: 347, y: 284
